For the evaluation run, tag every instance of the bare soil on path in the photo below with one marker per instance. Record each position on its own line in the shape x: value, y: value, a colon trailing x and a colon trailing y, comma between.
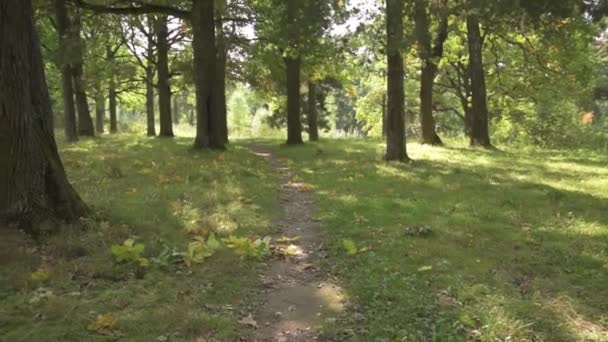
x: 296, y: 294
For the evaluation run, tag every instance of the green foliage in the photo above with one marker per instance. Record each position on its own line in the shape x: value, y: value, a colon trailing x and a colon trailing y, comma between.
x: 233, y: 193
x: 201, y: 249
x: 518, y: 249
x: 248, y: 248
x: 130, y: 253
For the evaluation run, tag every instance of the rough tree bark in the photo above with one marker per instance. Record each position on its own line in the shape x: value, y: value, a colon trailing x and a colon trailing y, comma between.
x: 479, y: 135
x: 293, y: 68
x: 150, y: 120
x: 85, y: 122
x: 222, y: 50
x: 429, y: 57
x: 313, y: 117
x: 69, y: 107
x: 164, y: 85
x: 395, y: 130
x: 205, y: 62
x: 33, y: 184
x: 100, y: 111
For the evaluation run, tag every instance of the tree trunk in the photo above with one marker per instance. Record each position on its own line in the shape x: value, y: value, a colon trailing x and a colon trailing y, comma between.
x: 69, y: 107
x: 151, y: 124
x: 205, y: 61
x: 150, y: 120
x: 293, y: 65
x: 113, y: 106
x: 313, y: 125
x: 85, y: 122
x: 429, y: 68
x: 176, y: 109
x: 222, y: 110
x: 33, y: 184
x: 384, y: 123
x: 395, y: 137
x: 480, y: 135
x: 100, y: 111
x: 164, y: 86
x: 294, y: 119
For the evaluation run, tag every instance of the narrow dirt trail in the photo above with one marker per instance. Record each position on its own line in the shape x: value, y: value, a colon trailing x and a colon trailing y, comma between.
x: 296, y: 295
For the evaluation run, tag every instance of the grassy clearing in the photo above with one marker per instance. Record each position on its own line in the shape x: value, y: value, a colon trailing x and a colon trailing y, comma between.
x: 160, y: 193
x: 518, y: 248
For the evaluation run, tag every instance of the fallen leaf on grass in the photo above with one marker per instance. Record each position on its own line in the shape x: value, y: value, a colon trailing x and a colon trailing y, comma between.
x: 103, y: 324
x: 285, y: 239
x: 40, y: 276
x: 249, y: 321
x: 425, y: 268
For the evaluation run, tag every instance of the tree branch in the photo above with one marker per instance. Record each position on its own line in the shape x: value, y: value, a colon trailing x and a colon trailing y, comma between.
x: 137, y: 9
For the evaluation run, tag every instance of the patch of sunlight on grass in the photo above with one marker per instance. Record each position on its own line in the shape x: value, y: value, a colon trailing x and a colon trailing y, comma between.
x: 581, y: 327
x: 160, y: 193
x: 508, y: 228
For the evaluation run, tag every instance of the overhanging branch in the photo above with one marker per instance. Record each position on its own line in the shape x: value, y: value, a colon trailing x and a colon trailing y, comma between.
x: 137, y: 8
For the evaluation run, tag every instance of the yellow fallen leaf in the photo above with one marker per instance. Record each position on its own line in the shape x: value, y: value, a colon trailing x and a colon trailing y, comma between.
x: 40, y: 276
x: 425, y: 268
x: 285, y: 239
x: 103, y: 324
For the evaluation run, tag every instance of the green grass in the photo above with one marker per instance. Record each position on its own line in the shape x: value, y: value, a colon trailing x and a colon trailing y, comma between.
x: 159, y: 192
x: 518, y: 250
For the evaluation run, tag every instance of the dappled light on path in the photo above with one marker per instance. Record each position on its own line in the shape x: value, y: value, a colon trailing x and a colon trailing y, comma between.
x: 297, y: 295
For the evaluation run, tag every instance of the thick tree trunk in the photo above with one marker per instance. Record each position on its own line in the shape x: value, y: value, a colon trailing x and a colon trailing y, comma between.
x: 480, y: 135
x: 69, y: 107
x: 313, y: 125
x: 33, y: 184
x: 395, y: 137
x: 428, y: 58
x: 164, y: 85
x: 293, y: 65
x: 100, y: 112
x: 294, y: 118
x: 85, y: 122
x: 113, y: 103
x: 208, y: 132
x: 151, y: 124
x: 222, y: 110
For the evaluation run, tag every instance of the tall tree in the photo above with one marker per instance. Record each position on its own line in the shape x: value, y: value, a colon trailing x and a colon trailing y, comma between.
x: 222, y: 55
x: 100, y: 111
x: 293, y: 63
x: 429, y: 58
x: 313, y: 115
x: 164, y: 78
x: 395, y: 130
x: 479, y: 134
x: 33, y: 184
x: 85, y: 122
x: 205, y: 62
x: 69, y: 107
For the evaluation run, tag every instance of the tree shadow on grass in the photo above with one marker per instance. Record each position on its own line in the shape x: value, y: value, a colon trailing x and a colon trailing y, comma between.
x: 535, y: 249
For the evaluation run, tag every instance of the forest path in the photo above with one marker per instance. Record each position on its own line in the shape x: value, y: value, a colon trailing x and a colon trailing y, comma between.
x: 296, y: 294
